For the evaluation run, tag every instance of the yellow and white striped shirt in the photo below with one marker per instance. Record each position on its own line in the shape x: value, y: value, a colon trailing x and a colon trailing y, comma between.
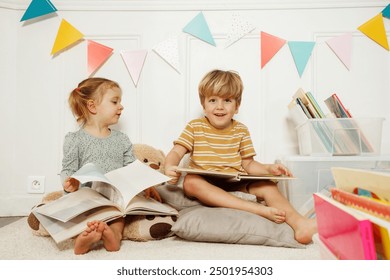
x: 216, y: 149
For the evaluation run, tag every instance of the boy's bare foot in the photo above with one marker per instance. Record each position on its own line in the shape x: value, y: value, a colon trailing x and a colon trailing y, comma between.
x: 273, y: 214
x: 305, y: 230
x: 91, y: 235
x: 111, y: 240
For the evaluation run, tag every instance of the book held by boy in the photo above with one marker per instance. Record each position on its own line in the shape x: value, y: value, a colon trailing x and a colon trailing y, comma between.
x: 233, y: 176
x: 112, y: 195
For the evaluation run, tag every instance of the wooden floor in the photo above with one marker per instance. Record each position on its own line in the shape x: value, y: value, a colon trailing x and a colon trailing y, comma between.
x: 7, y: 220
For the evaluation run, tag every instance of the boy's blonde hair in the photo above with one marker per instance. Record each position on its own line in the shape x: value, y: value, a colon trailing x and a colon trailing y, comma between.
x: 89, y: 89
x: 227, y: 84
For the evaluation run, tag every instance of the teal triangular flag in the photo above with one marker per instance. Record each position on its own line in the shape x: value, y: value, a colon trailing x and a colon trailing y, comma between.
x: 301, y: 52
x: 38, y: 8
x: 198, y: 27
x: 386, y: 12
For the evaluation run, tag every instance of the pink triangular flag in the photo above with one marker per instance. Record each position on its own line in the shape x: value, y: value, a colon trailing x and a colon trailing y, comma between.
x: 97, y: 55
x: 342, y: 47
x: 134, y: 61
x: 270, y: 45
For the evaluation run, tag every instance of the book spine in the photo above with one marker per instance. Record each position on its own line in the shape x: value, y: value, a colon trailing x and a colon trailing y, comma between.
x: 367, y: 240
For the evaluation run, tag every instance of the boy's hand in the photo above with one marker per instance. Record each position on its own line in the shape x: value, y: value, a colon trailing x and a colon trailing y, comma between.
x: 71, y: 185
x: 279, y: 169
x: 152, y: 193
x: 170, y: 171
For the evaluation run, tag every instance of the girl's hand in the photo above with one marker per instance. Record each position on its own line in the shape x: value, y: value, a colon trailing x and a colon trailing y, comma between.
x: 152, y: 193
x: 170, y: 171
x: 71, y: 185
x: 279, y: 169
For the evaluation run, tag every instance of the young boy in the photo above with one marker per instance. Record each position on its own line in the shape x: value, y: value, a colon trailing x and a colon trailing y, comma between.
x: 218, y: 142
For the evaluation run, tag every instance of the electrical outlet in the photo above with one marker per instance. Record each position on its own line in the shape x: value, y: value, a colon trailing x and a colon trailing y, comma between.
x: 36, y: 184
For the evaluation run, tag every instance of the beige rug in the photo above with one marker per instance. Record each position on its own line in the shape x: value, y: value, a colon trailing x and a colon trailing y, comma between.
x: 18, y: 243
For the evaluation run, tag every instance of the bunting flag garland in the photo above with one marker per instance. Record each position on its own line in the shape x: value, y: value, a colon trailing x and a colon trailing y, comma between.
x: 239, y: 28
x: 301, y: 52
x: 66, y: 36
x: 97, y: 55
x: 270, y: 45
x: 386, y: 11
x: 375, y: 30
x: 38, y: 8
x: 134, y: 61
x: 198, y: 27
x: 168, y: 50
x: 342, y: 47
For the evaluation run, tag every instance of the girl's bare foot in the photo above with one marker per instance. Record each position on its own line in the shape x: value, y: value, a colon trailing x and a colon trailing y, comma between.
x: 91, y: 235
x: 273, y: 214
x: 111, y: 240
x: 305, y: 230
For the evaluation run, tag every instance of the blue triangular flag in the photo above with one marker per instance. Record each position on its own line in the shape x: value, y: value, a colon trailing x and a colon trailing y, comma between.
x: 386, y: 12
x: 301, y: 52
x: 38, y: 8
x: 198, y: 27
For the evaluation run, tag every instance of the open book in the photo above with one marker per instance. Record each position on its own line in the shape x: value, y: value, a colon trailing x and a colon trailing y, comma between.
x: 112, y: 195
x: 232, y: 176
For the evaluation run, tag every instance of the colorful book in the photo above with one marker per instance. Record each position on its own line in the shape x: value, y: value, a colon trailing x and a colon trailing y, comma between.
x: 336, y: 107
x: 373, y: 206
x: 348, y: 179
x: 347, y: 233
x: 315, y: 104
x: 300, y: 93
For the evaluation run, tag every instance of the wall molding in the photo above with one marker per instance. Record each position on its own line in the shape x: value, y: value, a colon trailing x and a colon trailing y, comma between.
x: 195, y: 5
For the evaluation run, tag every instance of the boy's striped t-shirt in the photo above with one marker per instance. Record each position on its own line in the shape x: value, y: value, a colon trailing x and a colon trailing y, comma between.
x: 216, y: 149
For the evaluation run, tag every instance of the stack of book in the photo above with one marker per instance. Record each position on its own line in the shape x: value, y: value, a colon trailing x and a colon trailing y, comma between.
x: 354, y: 223
x: 334, y: 134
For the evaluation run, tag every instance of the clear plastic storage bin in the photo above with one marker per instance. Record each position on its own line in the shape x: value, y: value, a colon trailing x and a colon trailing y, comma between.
x: 340, y: 136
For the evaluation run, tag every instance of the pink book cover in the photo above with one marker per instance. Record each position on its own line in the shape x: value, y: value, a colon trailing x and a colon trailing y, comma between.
x: 346, y: 233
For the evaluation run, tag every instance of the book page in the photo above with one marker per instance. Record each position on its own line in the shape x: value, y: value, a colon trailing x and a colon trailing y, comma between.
x: 90, y: 173
x: 63, y: 231
x: 134, y: 178
x: 109, y: 192
x: 141, y: 205
x: 73, y: 204
x: 265, y: 177
x: 233, y: 176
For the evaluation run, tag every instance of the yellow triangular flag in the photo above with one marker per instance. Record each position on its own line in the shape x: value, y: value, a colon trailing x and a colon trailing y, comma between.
x: 66, y: 36
x: 375, y: 30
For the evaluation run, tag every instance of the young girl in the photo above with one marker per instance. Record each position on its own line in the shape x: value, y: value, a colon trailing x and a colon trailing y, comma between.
x: 217, y: 142
x: 96, y: 104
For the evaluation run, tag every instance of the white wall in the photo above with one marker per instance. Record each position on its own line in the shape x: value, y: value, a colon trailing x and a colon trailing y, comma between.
x: 35, y: 85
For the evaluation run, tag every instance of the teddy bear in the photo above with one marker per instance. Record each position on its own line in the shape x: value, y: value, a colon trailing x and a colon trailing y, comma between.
x: 137, y: 227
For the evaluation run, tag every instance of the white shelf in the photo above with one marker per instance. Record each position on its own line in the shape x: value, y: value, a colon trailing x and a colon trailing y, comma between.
x: 336, y: 158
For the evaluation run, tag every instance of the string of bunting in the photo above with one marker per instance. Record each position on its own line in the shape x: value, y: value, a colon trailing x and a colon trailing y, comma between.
x: 98, y: 54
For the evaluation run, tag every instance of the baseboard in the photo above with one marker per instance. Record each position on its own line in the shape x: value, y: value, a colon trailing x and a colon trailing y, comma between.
x: 18, y: 205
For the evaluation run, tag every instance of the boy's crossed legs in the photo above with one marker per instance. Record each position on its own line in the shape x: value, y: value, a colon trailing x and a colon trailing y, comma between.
x: 111, y: 235
x: 278, y: 208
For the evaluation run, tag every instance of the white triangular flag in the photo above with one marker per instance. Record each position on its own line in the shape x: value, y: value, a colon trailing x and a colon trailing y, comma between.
x: 239, y: 28
x: 168, y: 50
